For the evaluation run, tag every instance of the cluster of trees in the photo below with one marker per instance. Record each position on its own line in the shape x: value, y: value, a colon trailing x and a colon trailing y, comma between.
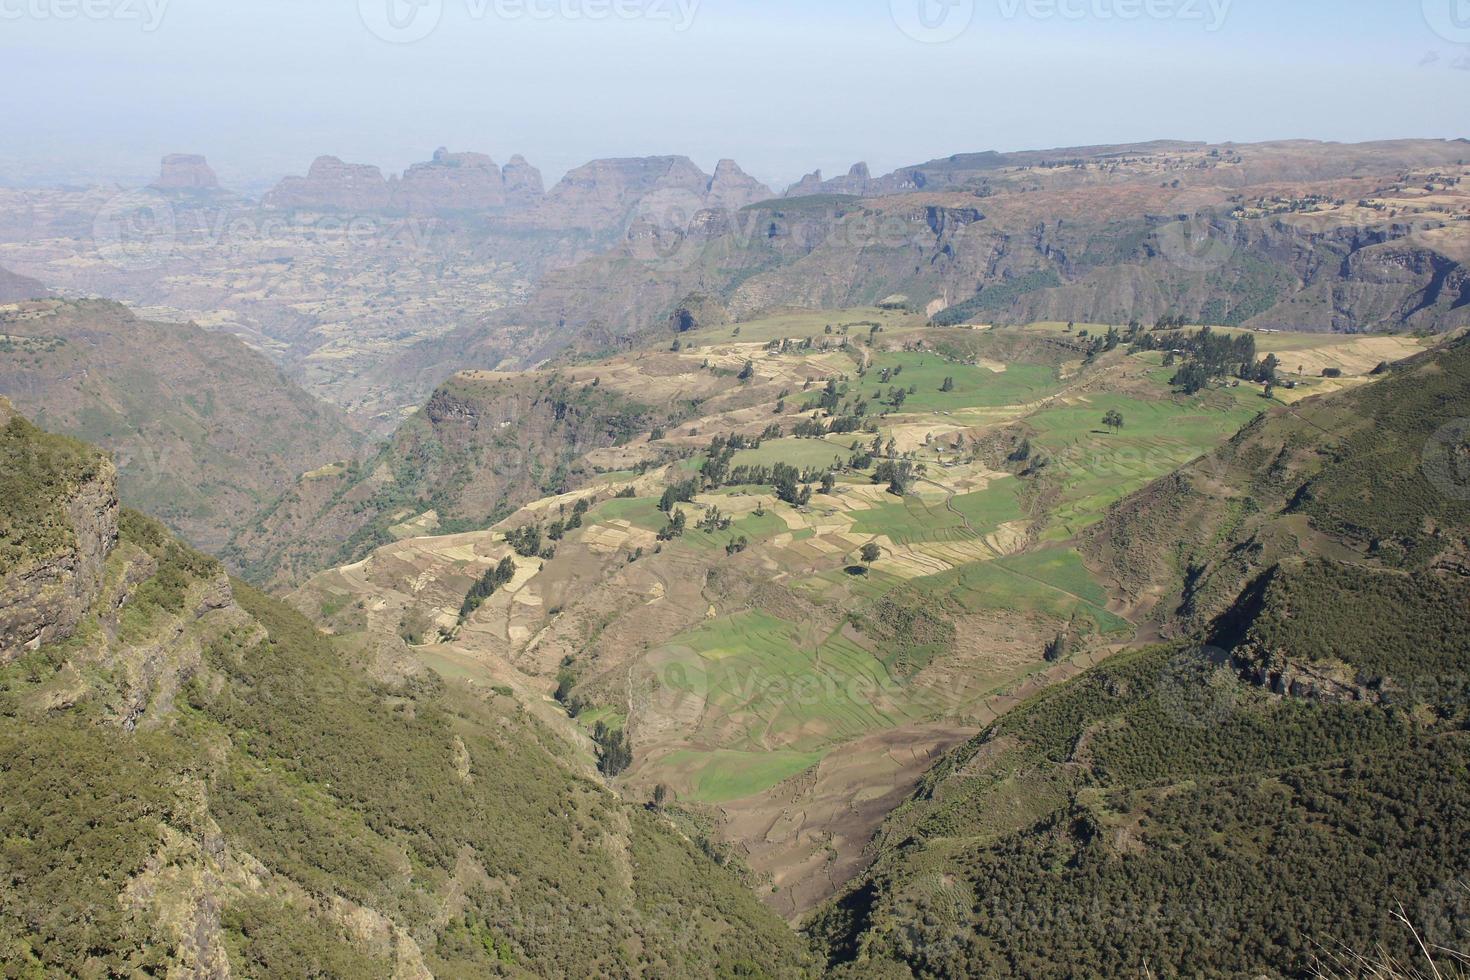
x: 614, y: 749
x: 1209, y: 356
x: 558, y: 528
x: 898, y: 474
x: 528, y: 542
x: 676, y: 526
x: 714, y: 520
x: 485, y: 587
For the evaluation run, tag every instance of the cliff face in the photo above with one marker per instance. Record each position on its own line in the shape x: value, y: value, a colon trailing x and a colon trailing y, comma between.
x: 185, y: 172
x: 445, y: 184
x: 451, y: 181
x: 52, y: 547
x: 335, y: 185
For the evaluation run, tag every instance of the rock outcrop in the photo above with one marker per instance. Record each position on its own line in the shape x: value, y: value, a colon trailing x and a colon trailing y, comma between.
x: 56, y: 530
x: 185, y: 172
x: 451, y: 182
x: 333, y: 185
x: 445, y: 184
x: 732, y: 188
x: 524, y: 187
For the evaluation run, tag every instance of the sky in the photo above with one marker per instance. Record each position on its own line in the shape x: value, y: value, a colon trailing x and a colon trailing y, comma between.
x: 101, y: 89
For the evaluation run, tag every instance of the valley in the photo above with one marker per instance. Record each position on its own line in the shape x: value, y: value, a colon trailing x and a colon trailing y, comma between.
x: 769, y: 675
x: 664, y: 576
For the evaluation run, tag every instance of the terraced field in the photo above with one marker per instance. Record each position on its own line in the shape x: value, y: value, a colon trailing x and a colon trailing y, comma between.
x: 764, y: 669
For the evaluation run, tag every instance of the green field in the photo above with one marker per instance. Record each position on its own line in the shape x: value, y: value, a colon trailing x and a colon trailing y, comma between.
x: 974, y: 387
x: 1097, y: 468
x: 926, y: 517
x: 801, y: 453
x: 1053, y: 582
x: 724, y: 775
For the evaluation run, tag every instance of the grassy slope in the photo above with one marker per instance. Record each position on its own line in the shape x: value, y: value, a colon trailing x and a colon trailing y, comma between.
x: 1160, y: 813
x: 454, y: 815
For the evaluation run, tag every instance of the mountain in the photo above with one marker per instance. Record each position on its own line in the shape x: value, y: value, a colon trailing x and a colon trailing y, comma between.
x: 668, y: 191
x: 15, y: 288
x: 1262, y: 794
x: 484, y: 444
x: 205, y: 430
x: 445, y: 184
x: 196, y: 782
x: 185, y: 172
x: 1286, y: 236
x: 331, y: 184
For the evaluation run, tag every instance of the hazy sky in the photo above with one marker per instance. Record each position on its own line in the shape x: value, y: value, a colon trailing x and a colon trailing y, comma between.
x: 105, y: 87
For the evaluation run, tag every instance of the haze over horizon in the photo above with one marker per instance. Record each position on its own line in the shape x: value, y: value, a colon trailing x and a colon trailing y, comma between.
x: 115, y: 84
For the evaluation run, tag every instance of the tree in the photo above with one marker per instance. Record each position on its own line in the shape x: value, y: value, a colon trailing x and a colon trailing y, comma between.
x: 829, y: 483
x: 660, y: 796
x: 871, y: 553
x: 948, y: 385
x: 747, y: 372
x: 1113, y: 420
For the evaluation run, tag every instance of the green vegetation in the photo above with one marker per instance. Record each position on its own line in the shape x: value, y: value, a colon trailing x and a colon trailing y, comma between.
x: 38, y: 472
x: 1157, y: 812
x: 451, y: 813
x: 998, y: 297
x: 1020, y: 383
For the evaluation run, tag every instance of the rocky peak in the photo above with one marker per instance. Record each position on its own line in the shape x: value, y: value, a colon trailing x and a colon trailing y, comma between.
x: 860, y: 171
x: 523, y: 184
x: 451, y: 182
x: 185, y: 172
x: 810, y: 184
x: 732, y: 188
x: 331, y: 184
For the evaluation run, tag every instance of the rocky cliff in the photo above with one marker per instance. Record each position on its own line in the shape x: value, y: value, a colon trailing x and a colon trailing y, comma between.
x: 185, y: 172
x: 58, y: 523
x: 331, y: 184
x: 446, y: 184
